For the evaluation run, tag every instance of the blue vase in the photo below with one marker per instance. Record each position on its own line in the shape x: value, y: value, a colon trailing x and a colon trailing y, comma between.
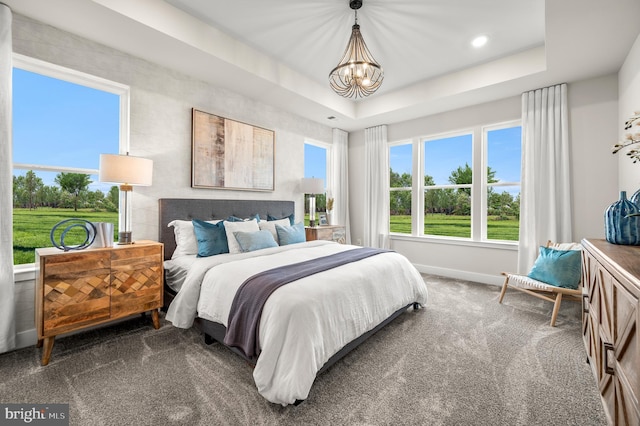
x: 618, y: 228
x: 635, y: 198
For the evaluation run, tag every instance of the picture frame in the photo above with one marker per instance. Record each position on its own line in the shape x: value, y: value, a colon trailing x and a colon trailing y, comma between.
x: 229, y: 154
x: 323, y: 220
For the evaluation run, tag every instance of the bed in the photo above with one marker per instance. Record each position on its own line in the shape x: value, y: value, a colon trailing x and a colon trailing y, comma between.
x: 305, y: 326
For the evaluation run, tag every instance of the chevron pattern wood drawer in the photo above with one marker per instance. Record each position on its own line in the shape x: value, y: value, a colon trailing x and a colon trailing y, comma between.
x: 611, y: 326
x: 79, y: 289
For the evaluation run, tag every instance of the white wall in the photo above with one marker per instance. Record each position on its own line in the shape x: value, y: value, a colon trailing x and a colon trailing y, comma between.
x: 160, y: 129
x: 629, y: 89
x: 593, y: 115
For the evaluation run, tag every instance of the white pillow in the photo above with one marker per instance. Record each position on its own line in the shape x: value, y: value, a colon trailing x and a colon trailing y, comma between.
x: 271, y: 226
x: 231, y: 227
x: 186, y: 242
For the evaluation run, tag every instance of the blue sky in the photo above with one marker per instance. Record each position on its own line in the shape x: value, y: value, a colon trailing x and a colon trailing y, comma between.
x: 444, y: 155
x: 315, y: 162
x: 49, y: 114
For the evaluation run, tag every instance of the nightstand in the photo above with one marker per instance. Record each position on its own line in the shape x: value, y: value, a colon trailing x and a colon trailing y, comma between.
x: 83, y: 288
x: 335, y: 233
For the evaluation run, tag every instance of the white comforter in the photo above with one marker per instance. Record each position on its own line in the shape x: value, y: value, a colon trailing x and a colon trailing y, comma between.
x: 305, y: 322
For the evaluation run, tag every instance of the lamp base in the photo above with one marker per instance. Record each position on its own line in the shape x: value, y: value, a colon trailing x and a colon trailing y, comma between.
x: 124, y: 238
x: 312, y: 223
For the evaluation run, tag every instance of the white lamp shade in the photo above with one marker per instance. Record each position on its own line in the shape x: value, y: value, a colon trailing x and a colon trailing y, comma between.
x: 125, y: 169
x: 312, y: 186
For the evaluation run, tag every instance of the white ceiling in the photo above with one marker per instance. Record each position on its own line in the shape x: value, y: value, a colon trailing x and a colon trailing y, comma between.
x: 281, y: 51
x: 413, y: 40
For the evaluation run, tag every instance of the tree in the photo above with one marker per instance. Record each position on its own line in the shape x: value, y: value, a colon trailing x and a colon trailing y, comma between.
x: 32, y: 184
x: 74, y: 184
x: 25, y: 190
x: 48, y: 196
x: 464, y: 176
x: 114, y: 195
x: 400, y: 201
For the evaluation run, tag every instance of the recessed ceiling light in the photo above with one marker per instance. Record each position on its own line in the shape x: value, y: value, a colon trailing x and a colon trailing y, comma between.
x: 479, y: 41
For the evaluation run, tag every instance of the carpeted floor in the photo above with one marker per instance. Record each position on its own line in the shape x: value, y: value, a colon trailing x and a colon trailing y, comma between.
x: 462, y: 360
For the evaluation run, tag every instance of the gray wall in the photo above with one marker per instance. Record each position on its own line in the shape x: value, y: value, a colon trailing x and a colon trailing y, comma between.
x: 593, y: 114
x: 629, y: 87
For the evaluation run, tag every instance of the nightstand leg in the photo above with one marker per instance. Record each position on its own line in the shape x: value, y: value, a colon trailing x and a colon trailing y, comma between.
x: 39, y: 343
x: 155, y: 318
x: 46, y: 351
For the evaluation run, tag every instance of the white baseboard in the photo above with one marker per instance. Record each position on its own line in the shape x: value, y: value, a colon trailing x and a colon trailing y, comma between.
x: 461, y: 275
x: 26, y: 338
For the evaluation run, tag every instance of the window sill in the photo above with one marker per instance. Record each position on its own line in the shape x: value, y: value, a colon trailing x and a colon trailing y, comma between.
x: 26, y: 272
x: 499, y: 245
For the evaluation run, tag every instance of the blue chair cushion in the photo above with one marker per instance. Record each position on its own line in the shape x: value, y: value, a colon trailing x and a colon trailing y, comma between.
x: 560, y: 268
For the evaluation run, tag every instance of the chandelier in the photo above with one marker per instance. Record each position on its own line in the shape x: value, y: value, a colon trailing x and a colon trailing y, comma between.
x: 357, y: 74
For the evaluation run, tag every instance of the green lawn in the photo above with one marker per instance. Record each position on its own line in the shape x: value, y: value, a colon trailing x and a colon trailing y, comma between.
x: 457, y: 226
x: 32, y: 229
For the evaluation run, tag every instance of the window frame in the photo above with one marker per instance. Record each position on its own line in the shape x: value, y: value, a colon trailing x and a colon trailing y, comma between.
x: 423, y: 188
x: 329, y: 164
x: 123, y: 91
x: 484, y: 199
x: 415, y: 165
x: 479, y: 188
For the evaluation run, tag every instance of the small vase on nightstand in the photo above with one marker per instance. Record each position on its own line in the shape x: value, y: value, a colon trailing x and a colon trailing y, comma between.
x: 330, y: 217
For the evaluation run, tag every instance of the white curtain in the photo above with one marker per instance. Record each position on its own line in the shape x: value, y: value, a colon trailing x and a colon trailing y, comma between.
x: 340, y: 180
x: 376, y: 194
x: 545, y: 204
x: 7, y: 324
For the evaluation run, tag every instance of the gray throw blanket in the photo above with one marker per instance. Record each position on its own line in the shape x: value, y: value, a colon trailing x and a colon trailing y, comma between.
x: 246, y: 309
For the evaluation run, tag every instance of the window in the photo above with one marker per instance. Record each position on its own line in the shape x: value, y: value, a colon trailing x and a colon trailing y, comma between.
x: 468, y: 185
x: 316, y: 164
x: 401, y: 181
x: 62, y: 121
x: 447, y: 185
x: 503, y: 146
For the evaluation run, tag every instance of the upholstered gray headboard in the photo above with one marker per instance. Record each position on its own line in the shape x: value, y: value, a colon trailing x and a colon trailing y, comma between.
x: 188, y: 208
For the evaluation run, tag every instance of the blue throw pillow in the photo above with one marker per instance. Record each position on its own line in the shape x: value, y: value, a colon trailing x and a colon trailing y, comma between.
x: 251, y: 241
x: 239, y: 219
x: 211, y: 238
x: 291, y: 234
x: 561, y: 268
x: 291, y: 218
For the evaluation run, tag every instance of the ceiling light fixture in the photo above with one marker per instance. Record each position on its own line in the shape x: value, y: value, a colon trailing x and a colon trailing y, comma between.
x: 357, y: 74
x: 479, y: 41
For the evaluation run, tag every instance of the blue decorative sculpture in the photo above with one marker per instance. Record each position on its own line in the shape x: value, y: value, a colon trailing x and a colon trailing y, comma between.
x: 88, y: 227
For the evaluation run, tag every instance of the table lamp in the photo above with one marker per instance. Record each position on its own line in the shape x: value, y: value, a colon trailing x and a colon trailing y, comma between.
x: 127, y: 171
x: 312, y: 186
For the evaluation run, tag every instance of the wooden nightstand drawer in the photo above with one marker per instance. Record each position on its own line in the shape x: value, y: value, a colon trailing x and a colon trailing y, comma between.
x: 335, y: 233
x: 79, y: 289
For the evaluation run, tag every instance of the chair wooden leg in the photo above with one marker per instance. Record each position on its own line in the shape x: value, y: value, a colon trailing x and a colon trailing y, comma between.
x: 556, y: 308
x: 504, y: 289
